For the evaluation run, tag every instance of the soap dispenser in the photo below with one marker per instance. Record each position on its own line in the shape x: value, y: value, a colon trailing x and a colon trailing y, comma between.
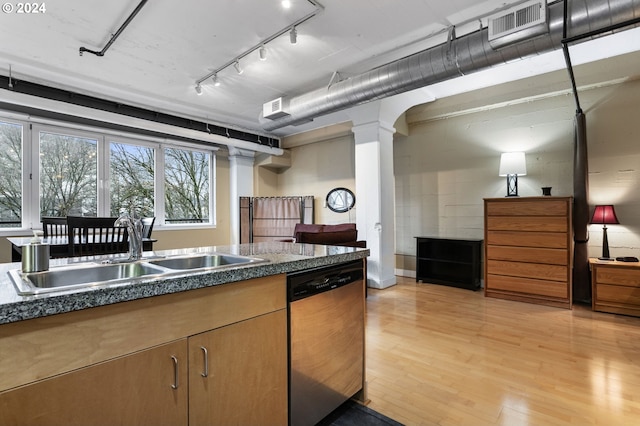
x: 35, y: 255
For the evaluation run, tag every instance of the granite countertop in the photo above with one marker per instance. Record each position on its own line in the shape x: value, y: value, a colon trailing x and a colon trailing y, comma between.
x: 281, y: 258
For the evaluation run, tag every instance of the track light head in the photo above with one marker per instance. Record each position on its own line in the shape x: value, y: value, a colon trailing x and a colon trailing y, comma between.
x: 293, y: 35
x: 263, y: 53
x: 198, y: 89
x: 236, y: 65
x: 286, y: 4
x: 216, y: 81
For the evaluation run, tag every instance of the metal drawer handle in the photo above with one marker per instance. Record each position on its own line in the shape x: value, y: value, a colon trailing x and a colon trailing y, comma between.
x: 205, y: 353
x: 175, y: 372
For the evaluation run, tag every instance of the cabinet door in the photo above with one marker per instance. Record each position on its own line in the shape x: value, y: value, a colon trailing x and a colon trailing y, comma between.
x: 132, y: 390
x: 238, y: 373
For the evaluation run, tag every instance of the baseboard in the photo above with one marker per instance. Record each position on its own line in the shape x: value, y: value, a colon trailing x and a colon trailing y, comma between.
x: 405, y: 273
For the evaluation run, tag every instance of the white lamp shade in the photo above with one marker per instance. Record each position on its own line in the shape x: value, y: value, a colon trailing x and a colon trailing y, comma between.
x: 513, y: 163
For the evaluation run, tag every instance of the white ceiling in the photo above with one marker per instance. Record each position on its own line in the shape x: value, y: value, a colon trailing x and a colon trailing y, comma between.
x: 171, y: 44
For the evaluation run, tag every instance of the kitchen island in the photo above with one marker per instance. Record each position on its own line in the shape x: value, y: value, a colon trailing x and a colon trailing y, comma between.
x: 193, y: 348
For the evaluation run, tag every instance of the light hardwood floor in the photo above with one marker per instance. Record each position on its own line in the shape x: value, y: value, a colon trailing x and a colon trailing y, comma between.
x: 438, y: 355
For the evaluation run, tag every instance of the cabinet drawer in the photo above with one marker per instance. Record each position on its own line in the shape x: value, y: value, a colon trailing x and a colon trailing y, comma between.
x: 527, y: 223
x: 618, y: 294
x: 526, y: 286
x: 528, y: 254
x: 538, y: 207
x: 527, y: 239
x: 529, y: 270
x: 628, y: 277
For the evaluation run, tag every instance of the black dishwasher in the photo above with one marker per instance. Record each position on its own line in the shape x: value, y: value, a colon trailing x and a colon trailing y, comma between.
x: 326, y: 339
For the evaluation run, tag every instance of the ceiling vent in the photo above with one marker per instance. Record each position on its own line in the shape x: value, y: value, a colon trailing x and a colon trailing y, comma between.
x: 526, y: 20
x: 274, y: 109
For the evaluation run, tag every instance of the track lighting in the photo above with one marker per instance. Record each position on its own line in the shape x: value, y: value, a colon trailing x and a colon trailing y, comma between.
x: 293, y: 35
x: 198, y: 89
x: 290, y: 28
x: 236, y: 65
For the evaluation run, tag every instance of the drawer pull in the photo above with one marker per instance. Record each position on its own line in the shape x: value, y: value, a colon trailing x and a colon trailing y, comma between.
x: 175, y: 372
x: 205, y: 353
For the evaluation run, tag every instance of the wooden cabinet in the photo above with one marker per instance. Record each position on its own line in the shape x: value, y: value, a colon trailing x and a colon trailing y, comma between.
x: 529, y: 249
x: 238, y: 373
x: 134, y: 389
x: 615, y: 287
x: 452, y: 262
x: 140, y: 362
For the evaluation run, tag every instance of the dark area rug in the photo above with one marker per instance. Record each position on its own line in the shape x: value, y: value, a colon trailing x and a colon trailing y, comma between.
x: 353, y: 414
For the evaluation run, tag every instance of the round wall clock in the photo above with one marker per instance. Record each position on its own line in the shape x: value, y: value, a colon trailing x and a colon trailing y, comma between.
x: 340, y: 200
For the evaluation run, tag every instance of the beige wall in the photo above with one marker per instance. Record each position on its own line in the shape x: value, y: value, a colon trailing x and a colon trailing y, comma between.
x: 449, y: 162
x: 316, y: 168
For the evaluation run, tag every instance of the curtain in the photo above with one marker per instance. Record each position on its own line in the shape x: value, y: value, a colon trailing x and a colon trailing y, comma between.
x: 273, y: 218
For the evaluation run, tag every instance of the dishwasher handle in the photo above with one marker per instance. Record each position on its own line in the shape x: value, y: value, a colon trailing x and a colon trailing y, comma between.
x: 319, y: 280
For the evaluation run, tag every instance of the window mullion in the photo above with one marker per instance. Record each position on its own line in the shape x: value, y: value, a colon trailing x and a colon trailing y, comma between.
x: 104, y: 201
x: 31, y: 177
x: 159, y: 186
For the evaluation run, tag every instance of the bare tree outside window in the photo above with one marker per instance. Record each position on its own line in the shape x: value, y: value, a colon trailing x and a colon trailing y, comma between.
x: 10, y: 175
x: 131, y: 178
x: 68, y: 175
x: 68, y: 167
x: 186, y: 186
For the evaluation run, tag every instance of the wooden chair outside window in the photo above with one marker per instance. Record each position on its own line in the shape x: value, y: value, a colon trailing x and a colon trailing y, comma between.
x: 89, y: 236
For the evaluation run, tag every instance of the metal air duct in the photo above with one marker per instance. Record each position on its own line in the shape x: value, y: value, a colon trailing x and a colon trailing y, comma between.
x: 457, y: 57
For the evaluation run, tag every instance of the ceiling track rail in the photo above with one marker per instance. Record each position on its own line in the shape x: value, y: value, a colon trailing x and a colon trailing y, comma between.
x: 117, y: 33
x: 318, y: 8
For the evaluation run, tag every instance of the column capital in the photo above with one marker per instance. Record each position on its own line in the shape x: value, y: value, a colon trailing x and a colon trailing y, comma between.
x: 372, y: 131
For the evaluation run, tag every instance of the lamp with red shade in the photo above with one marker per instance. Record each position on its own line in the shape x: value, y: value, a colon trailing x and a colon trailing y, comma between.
x: 604, y: 215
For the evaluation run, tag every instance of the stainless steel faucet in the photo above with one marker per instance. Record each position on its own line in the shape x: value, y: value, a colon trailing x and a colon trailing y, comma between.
x: 134, y: 228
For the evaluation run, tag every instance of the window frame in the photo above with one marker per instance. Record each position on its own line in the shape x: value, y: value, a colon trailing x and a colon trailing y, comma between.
x: 31, y: 168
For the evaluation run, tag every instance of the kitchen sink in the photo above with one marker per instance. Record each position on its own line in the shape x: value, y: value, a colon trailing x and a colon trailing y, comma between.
x: 203, y: 261
x: 70, y: 277
x: 86, y: 275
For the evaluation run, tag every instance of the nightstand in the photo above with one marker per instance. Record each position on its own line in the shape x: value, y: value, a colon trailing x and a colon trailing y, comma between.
x: 615, y: 286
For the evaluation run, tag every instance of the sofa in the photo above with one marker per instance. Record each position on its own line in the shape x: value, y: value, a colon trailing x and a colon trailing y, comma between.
x: 344, y: 234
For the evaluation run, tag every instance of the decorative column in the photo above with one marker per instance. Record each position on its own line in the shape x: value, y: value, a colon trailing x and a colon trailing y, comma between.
x: 240, y: 185
x: 375, y: 198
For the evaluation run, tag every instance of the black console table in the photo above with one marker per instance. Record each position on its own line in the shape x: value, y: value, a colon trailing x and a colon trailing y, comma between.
x: 448, y: 261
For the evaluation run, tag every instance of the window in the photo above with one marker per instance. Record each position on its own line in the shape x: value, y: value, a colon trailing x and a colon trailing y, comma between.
x: 131, y: 178
x: 11, y: 136
x: 186, y: 181
x: 73, y: 170
x: 68, y: 175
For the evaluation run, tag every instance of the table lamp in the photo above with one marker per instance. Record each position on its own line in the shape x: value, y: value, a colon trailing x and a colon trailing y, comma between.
x: 512, y: 165
x: 604, y: 215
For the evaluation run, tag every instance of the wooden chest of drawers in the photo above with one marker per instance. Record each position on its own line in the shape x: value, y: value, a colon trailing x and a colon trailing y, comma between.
x: 529, y: 249
x: 615, y: 287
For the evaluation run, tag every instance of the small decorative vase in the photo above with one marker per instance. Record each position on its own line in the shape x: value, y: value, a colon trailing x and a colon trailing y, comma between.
x: 546, y: 190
